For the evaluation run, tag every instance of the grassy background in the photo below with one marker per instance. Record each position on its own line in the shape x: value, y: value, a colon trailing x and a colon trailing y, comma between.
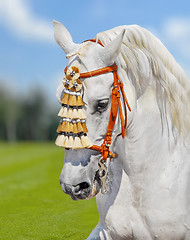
x: 32, y: 204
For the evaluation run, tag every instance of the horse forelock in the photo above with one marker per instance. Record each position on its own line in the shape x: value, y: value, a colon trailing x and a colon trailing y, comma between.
x: 147, y: 63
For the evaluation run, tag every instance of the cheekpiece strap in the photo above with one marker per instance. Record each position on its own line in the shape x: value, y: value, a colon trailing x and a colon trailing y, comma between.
x: 116, y: 107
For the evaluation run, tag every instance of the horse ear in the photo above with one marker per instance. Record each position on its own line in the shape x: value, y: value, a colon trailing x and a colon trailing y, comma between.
x: 63, y: 37
x: 111, y: 51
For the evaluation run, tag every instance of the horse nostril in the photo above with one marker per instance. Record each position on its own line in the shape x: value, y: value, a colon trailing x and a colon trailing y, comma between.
x: 80, y: 187
x: 84, y: 185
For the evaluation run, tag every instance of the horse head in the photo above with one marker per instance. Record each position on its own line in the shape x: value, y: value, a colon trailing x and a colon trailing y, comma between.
x: 79, y: 177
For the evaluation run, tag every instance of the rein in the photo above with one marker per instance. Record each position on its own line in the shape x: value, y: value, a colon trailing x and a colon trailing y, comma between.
x: 116, y: 107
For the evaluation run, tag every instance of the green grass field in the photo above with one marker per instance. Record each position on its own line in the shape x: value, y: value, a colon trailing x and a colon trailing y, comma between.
x: 32, y: 204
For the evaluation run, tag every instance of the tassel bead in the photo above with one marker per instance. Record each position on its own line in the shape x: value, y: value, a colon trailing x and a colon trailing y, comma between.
x: 79, y: 101
x: 86, y: 142
x: 79, y: 127
x: 77, y: 143
x: 72, y: 100
x: 60, y: 141
x: 69, y: 113
x: 69, y: 143
x: 81, y: 114
x: 85, y: 130
x: 75, y: 114
x: 70, y: 127
x: 66, y: 141
x: 59, y: 129
x: 63, y: 112
x: 63, y: 126
x: 75, y: 129
x: 65, y: 99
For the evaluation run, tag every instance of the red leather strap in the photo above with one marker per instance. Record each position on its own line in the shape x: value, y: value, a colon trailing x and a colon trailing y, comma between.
x: 95, y: 41
x: 115, y: 107
x: 99, y: 71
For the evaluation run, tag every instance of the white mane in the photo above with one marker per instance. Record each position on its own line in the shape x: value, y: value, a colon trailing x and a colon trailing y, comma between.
x: 147, y: 62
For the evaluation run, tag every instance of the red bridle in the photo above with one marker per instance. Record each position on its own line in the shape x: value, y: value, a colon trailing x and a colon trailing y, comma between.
x: 116, y: 107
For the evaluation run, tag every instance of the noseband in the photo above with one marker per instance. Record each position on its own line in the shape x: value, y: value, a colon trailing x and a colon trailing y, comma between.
x: 116, y: 107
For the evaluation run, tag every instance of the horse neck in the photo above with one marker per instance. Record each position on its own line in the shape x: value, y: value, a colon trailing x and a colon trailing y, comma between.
x: 147, y: 143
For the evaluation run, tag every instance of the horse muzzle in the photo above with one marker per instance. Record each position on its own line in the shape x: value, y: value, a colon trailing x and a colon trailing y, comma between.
x: 77, y: 192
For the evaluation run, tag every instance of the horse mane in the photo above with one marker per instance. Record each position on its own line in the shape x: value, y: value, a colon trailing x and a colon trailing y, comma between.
x: 147, y: 62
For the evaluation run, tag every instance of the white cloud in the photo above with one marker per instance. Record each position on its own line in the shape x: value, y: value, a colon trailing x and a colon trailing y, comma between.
x: 17, y: 16
x: 177, y: 32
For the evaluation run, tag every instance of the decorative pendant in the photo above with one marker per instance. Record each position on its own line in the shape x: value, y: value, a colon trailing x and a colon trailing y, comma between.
x: 72, y: 130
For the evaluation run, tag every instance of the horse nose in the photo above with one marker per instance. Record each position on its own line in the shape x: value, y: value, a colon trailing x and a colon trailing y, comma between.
x: 80, y: 191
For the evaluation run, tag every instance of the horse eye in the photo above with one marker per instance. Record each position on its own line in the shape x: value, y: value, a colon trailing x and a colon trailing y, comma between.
x: 102, y: 105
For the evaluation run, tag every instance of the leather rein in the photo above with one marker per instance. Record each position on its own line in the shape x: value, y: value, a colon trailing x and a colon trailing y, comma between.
x: 116, y: 107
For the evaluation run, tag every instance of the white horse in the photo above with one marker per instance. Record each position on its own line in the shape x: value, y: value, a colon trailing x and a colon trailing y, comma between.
x: 149, y: 195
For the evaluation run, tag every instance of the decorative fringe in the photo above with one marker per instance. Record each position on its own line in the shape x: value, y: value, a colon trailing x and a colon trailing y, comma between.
x: 79, y: 127
x: 85, y: 130
x: 81, y: 114
x: 69, y: 113
x: 63, y: 126
x: 86, y: 142
x: 79, y: 101
x: 60, y: 141
x: 60, y: 112
x: 72, y: 100
x: 75, y: 114
x: 65, y: 99
x: 69, y: 142
x: 63, y: 112
x: 70, y: 127
x: 59, y: 129
x: 75, y: 130
x: 77, y: 143
x: 67, y: 126
x: 66, y: 141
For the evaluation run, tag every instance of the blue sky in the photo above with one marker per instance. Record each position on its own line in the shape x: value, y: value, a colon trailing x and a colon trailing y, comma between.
x: 29, y: 56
